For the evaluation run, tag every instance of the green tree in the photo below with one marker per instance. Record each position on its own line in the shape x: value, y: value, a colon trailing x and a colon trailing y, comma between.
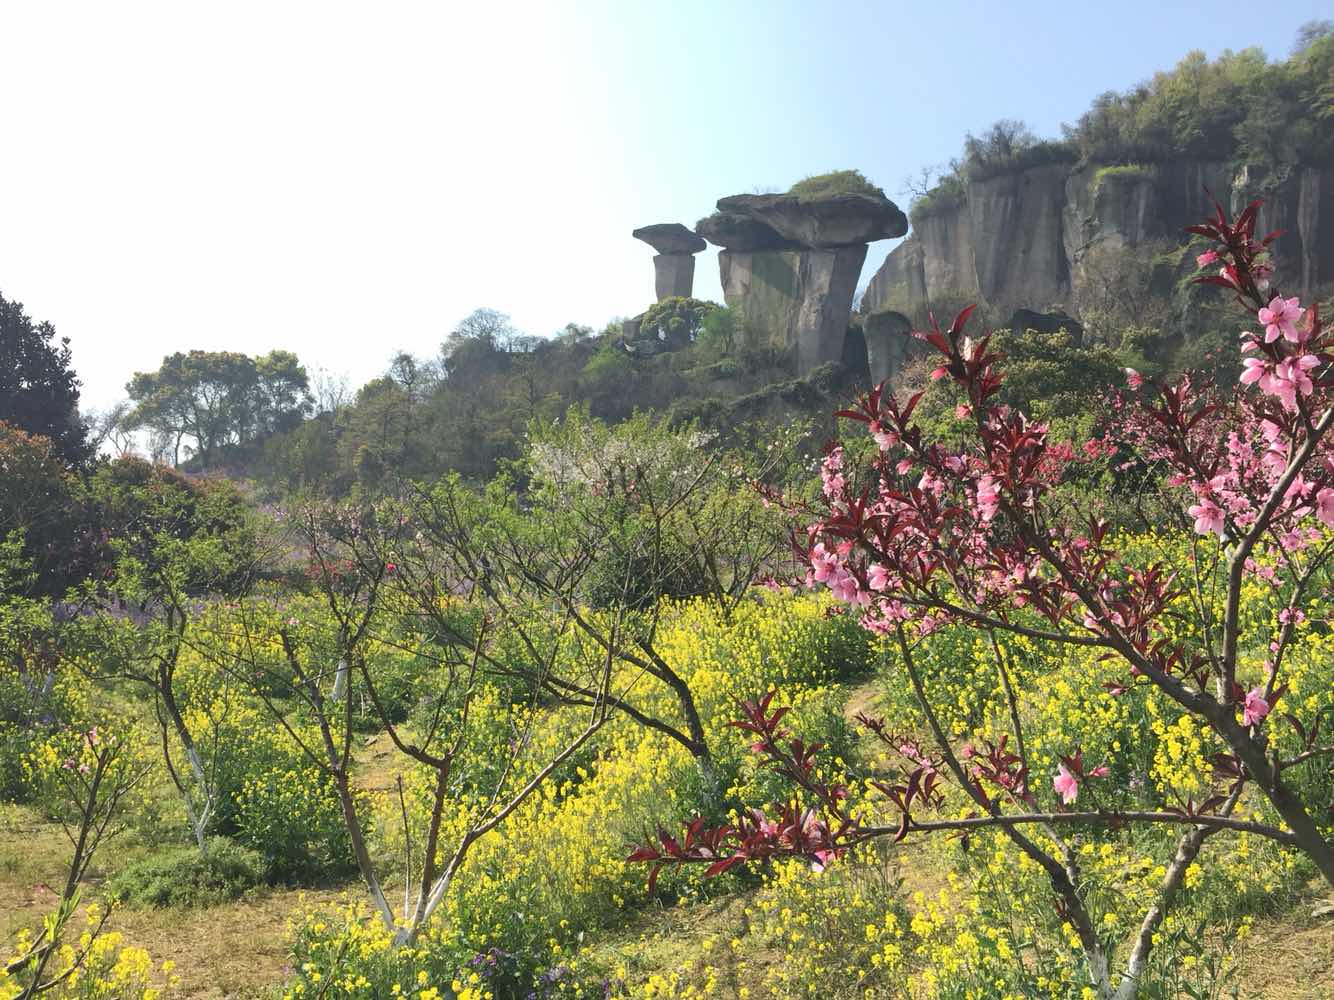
x: 37, y: 513
x: 217, y: 399
x: 39, y: 392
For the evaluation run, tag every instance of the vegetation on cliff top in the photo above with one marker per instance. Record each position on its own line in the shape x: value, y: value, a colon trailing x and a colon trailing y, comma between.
x: 1240, y: 108
x: 835, y: 182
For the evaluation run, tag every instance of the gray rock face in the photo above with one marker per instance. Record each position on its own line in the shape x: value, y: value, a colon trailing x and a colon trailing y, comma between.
x: 669, y: 237
x: 1017, y: 240
x: 793, y: 300
x: 900, y: 283
x: 822, y: 223
x: 673, y: 274
x: 889, y: 343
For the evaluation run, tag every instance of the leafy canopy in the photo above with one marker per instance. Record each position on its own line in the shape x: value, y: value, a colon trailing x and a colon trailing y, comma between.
x: 39, y: 392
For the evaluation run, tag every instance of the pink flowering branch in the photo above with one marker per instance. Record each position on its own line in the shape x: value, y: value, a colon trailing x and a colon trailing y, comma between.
x: 934, y: 533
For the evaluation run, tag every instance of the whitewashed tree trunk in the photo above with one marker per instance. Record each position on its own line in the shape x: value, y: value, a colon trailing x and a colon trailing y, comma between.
x: 340, y: 681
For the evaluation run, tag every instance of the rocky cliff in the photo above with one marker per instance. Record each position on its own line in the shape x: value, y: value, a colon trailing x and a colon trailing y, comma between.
x: 1018, y: 239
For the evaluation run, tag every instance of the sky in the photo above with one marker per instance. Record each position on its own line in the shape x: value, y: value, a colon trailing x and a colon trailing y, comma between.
x: 347, y: 180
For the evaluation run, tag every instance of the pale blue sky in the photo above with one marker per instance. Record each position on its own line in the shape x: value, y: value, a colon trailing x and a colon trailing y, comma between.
x: 343, y: 180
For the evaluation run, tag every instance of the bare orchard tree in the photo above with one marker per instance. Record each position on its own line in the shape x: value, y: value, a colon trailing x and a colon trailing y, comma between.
x: 328, y: 671
x: 172, y: 545
x: 613, y: 523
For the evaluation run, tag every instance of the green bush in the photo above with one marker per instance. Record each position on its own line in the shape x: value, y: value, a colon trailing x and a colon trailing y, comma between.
x: 948, y: 194
x: 835, y: 182
x: 185, y: 876
x: 1124, y: 172
x: 292, y: 816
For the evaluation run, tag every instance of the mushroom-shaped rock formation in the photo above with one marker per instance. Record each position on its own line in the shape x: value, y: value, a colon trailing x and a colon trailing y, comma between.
x: 836, y: 220
x: 674, y: 266
x: 790, y: 264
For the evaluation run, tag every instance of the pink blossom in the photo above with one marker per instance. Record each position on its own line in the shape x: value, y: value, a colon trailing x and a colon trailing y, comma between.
x: 1280, y: 318
x: 1253, y: 370
x: 1208, y: 517
x: 822, y: 563
x: 1324, y: 506
x: 878, y: 577
x: 1066, y: 785
x: 988, y: 497
x: 884, y: 439
x: 1133, y: 378
x: 1255, y: 709
x: 1206, y: 258
x: 963, y: 411
x: 844, y: 586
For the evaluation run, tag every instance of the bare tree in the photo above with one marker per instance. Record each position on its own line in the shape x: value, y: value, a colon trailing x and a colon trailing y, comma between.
x: 110, y: 429
x: 326, y: 670
x: 614, y: 520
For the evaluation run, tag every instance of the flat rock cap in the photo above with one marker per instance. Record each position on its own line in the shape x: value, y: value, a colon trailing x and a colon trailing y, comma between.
x: 669, y: 237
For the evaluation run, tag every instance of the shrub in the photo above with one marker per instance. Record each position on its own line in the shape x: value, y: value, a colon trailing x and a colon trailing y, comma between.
x: 292, y: 816
x: 103, y: 966
x: 37, y: 510
x: 1123, y: 172
x: 949, y: 193
x: 836, y: 182
x: 150, y: 517
x: 185, y: 876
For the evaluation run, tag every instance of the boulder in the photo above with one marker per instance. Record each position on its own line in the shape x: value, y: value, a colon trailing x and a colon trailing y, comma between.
x: 790, y: 265
x: 797, y: 301
x: 889, y: 343
x: 670, y: 238
x: 674, y: 275
x: 1048, y: 322
x: 838, y: 220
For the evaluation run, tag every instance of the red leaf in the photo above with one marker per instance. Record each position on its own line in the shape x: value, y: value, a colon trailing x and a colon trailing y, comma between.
x: 961, y: 320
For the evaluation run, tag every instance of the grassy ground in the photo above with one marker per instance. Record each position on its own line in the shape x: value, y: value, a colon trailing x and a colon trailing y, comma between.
x: 238, y: 950
x: 232, y: 951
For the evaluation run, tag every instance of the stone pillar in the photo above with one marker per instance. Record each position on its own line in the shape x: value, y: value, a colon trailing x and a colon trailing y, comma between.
x: 673, y: 275
x: 795, y: 300
x: 674, y: 266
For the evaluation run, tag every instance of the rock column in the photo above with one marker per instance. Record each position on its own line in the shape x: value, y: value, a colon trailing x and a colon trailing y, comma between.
x: 673, y: 275
x: 674, y: 266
